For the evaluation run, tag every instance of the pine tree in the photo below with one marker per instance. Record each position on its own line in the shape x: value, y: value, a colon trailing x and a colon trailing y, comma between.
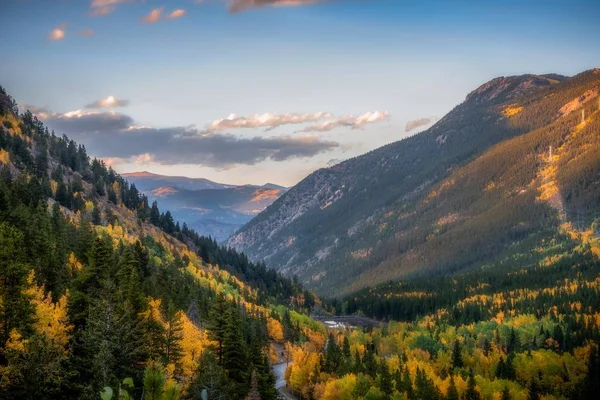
x: 506, y: 393
x: 385, y: 380
x: 96, y: 215
x: 154, y: 214
x: 62, y: 197
x: 471, y: 393
x: 253, y: 394
x: 217, y: 323
x: 235, y: 361
x: 407, y: 384
x: 173, y: 336
x: 452, y: 391
x: 533, y: 392
x: 210, y: 377
x: 457, y: 361
x: 16, y: 311
x: 591, y: 383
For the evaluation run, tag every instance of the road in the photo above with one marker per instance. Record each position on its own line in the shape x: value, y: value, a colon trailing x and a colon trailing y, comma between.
x: 279, y: 371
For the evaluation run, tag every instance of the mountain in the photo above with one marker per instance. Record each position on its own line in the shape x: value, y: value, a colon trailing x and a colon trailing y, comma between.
x: 214, y: 209
x: 145, y: 180
x: 474, y: 188
x: 102, y: 292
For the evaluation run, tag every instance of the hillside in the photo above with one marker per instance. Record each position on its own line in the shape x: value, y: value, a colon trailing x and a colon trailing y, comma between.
x: 101, y: 293
x: 463, y: 194
x: 213, y: 209
x: 100, y: 290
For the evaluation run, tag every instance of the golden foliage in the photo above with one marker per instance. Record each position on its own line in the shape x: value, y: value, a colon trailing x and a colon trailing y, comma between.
x: 274, y: 329
x: 51, y: 319
x: 511, y: 110
x: 4, y: 156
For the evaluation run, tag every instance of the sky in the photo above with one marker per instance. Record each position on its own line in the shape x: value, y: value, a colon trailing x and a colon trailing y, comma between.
x: 257, y: 91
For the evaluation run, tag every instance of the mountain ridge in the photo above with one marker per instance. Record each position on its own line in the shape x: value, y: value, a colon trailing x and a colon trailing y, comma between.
x: 321, y: 222
x: 214, y: 209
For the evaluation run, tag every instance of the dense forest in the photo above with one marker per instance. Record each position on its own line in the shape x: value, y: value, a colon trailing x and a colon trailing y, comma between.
x: 530, y: 332
x: 101, y: 291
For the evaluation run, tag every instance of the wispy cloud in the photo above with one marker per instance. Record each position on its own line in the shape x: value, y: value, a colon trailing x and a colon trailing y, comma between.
x: 154, y: 16
x: 109, y: 102
x: 419, y: 122
x: 350, y: 121
x: 177, y: 14
x: 86, y: 32
x: 243, y: 5
x: 58, y: 33
x: 115, y: 135
x: 104, y: 7
x: 266, y: 120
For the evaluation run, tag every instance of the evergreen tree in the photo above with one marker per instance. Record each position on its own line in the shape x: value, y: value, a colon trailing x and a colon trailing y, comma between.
x: 457, y: 361
x: 533, y: 392
x: 154, y: 214
x: 15, y: 309
x: 217, y: 324
x: 471, y: 393
x: 385, y: 380
x: 173, y: 336
x: 506, y: 393
x: 211, y: 377
x: 235, y: 361
x: 253, y: 394
x: 452, y: 391
x: 96, y: 215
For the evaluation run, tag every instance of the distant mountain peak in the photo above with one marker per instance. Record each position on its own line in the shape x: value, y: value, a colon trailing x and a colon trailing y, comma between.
x: 140, y: 174
x: 506, y: 87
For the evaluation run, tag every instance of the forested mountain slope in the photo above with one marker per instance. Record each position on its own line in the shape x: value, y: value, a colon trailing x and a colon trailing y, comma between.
x: 97, y: 286
x: 459, y: 195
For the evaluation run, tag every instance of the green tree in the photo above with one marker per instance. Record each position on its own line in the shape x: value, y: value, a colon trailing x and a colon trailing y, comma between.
x: 15, y: 309
x: 211, y: 377
x: 452, y: 391
x: 471, y: 393
x: 217, y: 323
x: 457, y: 361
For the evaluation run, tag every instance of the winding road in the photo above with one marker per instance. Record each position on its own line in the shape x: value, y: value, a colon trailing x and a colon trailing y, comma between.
x: 279, y: 371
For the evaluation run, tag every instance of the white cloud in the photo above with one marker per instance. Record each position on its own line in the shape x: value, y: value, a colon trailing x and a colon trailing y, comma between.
x: 348, y: 121
x: 109, y: 102
x: 266, y: 120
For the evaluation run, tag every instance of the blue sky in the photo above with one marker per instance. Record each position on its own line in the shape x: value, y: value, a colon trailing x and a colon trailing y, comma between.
x: 309, y: 71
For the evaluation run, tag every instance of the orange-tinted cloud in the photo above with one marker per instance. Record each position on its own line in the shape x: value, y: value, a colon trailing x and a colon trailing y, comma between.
x: 243, y: 5
x: 154, y: 16
x: 58, y: 33
x: 177, y: 14
x: 104, y: 7
x: 86, y: 32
